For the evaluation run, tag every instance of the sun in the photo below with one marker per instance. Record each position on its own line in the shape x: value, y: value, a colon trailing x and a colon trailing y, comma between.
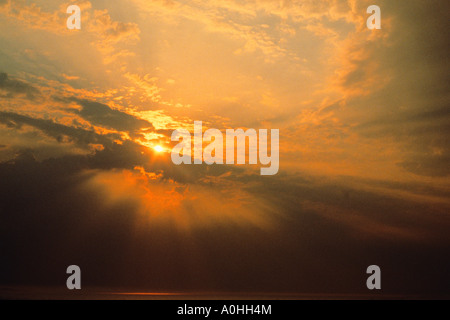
x: 158, y: 148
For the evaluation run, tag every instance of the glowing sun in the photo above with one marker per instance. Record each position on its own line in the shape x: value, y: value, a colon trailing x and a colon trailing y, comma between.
x: 158, y: 148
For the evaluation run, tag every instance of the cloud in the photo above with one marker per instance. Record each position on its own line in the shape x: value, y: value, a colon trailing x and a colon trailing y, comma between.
x: 258, y: 26
x: 431, y: 165
x: 34, y: 17
x: 96, y: 222
x: 147, y: 84
x: 102, y: 115
x: 75, y: 213
x: 393, y: 93
x: 113, y: 31
x: 57, y: 131
x: 112, y: 36
x: 116, y: 152
x: 70, y: 77
x: 108, y: 34
x: 15, y: 88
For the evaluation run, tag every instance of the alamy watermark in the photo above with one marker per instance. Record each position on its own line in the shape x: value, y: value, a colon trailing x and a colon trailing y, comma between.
x: 374, y: 21
x: 74, y: 20
x: 235, y: 145
x: 74, y: 280
x: 374, y: 281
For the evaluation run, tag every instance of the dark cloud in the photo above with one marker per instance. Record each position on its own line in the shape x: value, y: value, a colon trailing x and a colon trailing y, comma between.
x: 412, y: 108
x: 429, y: 165
x: 330, y: 108
x: 57, y: 131
x: 124, y: 155
x: 15, y: 88
x: 323, y: 234
x: 426, y: 135
x: 102, y: 115
x: 49, y: 220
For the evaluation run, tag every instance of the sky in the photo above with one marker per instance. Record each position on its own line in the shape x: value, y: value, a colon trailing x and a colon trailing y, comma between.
x: 364, y: 124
